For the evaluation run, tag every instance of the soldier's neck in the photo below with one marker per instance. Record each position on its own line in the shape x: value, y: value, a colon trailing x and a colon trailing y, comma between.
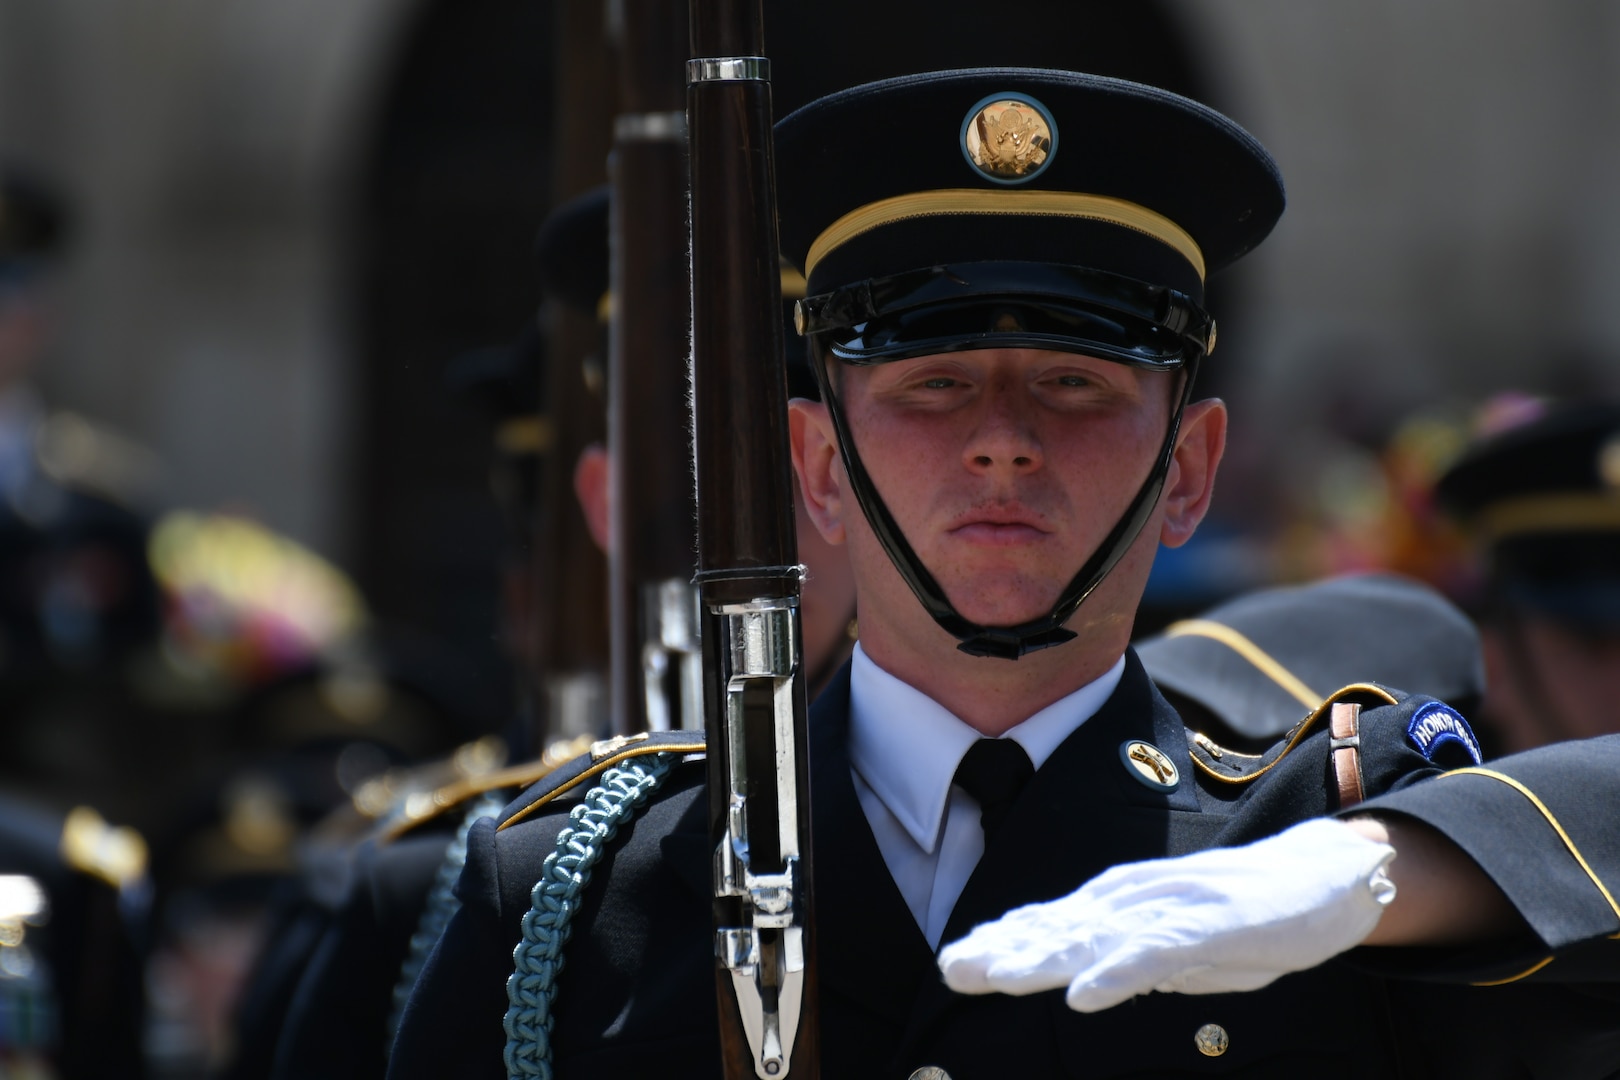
x: 988, y: 694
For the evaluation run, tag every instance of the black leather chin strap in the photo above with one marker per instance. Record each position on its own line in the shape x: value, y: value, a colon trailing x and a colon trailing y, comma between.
x: 1005, y: 642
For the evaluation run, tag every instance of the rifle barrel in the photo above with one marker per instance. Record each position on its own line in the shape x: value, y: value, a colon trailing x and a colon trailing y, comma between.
x: 748, y: 573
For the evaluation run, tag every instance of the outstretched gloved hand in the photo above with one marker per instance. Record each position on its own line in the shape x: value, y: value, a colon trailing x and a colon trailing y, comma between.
x: 1208, y: 923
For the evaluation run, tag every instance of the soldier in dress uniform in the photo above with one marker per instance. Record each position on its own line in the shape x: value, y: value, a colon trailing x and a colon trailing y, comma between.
x: 1542, y: 499
x: 1005, y: 276
x: 340, y: 1016
x: 79, y: 607
x: 76, y: 600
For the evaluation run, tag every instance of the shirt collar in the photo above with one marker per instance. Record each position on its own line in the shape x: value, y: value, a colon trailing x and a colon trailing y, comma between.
x: 906, y: 745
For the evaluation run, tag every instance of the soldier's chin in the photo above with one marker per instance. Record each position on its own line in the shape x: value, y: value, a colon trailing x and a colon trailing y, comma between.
x: 1011, y: 605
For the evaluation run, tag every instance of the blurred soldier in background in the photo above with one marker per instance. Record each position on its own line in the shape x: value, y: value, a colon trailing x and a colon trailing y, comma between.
x: 1246, y: 672
x: 1542, y: 499
x: 76, y: 602
x: 328, y: 978
x: 343, y: 1017
x: 338, y: 1016
x: 79, y: 608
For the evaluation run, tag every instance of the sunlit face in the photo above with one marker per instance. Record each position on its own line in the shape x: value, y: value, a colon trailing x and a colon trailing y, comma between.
x: 827, y: 601
x: 1005, y: 468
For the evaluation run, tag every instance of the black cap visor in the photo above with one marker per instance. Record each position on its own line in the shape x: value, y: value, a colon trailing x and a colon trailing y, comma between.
x: 989, y: 305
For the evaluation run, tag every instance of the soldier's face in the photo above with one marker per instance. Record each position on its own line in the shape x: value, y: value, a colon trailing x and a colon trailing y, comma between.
x: 1005, y: 469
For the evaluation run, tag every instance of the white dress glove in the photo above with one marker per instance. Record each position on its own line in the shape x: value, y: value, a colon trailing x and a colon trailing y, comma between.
x: 1207, y: 923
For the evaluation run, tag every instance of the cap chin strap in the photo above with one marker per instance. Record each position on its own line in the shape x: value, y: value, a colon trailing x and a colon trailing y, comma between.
x: 1004, y: 642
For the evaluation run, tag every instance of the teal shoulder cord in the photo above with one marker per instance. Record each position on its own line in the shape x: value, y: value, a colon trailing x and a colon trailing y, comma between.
x: 538, y: 959
x: 441, y: 906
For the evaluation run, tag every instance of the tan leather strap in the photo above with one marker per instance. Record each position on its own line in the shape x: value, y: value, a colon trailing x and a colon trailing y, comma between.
x: 1344, y: 729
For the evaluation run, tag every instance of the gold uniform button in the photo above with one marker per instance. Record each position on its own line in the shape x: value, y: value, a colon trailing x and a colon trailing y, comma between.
x: 1211, y: 1040
x: 929, y: 1072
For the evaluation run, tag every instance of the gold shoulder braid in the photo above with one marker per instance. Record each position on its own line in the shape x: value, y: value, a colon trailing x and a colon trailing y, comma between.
x: 603, y: 756
x: 1231, y: 767
x: 422, y: 807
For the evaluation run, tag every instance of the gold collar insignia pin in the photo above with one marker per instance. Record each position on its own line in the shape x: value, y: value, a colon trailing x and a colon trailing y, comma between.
x: 1150, y: 765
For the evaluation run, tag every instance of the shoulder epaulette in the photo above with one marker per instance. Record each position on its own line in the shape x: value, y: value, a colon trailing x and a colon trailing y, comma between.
x: 114, y: 854
x: 1232, y: 767
x: 421, y: 807
x: 604, y: 755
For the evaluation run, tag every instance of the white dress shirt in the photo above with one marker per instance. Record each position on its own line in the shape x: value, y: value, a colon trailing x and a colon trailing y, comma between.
x: 904, y: 748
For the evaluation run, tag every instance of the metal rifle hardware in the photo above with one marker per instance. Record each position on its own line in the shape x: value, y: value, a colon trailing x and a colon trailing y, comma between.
x: 764, y: 955
x: 656, y: 659
x: 671, y: 656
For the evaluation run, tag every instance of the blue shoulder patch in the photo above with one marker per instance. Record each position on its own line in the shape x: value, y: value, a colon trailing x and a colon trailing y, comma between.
x: 1437, y: 730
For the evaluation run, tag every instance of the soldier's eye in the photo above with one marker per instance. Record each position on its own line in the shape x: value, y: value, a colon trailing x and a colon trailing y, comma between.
x: 939, y: 382
x: 1073, y: 380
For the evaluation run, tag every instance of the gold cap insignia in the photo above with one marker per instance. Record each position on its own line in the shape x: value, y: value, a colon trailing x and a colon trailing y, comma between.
x: 1211, y: 1040
x: 1009, y: 138
x: 1150, y: 765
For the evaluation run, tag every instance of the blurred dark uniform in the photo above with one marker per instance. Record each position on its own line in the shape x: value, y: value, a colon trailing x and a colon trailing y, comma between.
x: 1542, y: 501
x: 928, y: 256
x: 73, y: 896
x: 326, y: 753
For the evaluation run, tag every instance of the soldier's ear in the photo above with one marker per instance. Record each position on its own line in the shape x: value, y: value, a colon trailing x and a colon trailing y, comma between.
x: 591, y: 482
x: 1191, y: 480
x: 815, y: 460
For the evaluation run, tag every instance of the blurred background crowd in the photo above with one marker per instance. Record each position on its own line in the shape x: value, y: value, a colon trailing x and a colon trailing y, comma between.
x: 280, y: 501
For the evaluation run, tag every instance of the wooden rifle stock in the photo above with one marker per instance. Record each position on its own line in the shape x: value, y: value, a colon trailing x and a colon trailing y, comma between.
x: 754, y: 695
x: 657, y: 666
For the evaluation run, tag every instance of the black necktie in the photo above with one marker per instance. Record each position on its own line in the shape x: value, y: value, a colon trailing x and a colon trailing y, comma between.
x: 993, y: 771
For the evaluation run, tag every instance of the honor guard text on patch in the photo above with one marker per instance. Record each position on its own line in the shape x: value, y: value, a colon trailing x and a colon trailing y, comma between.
x: 1439, y: 733
x: 1150, y: 765
x: 1009, y: 138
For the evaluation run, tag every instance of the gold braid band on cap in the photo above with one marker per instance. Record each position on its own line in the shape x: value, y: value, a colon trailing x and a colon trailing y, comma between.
x: 526, y: 435
x: 1551, y: 513
x: 1069, y: 204
x: 793, y: 284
